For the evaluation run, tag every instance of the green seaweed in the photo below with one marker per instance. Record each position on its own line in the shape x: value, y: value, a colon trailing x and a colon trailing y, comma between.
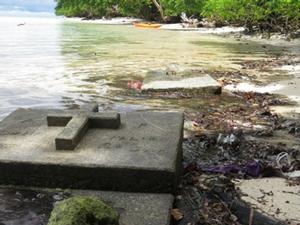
x: 83, y: 211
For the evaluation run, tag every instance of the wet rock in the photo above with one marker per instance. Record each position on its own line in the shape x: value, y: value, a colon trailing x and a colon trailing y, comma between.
x: 58, y: 197
x: 40, y: 195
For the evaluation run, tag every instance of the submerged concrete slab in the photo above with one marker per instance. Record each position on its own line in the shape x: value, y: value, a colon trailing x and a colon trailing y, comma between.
x: 29, y: 207
x: 143, y: 155
x: 205, y: 84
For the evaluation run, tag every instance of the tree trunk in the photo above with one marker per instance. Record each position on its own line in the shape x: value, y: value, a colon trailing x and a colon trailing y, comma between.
x: 160, y: 9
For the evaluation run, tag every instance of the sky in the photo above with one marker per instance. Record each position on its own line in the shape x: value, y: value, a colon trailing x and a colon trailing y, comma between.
x: 27, y: 5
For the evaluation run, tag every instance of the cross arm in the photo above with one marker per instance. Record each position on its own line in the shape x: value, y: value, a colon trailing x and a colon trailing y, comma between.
x: 106, y: 120
x: 72, y: 133
x: 58, y: 120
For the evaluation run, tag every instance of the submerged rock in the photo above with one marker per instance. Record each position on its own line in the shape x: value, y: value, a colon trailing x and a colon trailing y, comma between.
x: 83, y: 211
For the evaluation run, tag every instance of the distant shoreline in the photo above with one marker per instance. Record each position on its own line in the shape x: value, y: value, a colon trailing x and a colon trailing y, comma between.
x: 172, y: 26
x: 19, y: 13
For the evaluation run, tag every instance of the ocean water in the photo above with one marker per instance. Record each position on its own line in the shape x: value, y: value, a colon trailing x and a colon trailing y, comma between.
x: 50, y: 62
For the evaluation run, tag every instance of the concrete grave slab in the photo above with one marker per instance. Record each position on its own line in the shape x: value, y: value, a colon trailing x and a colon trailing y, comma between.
x: 204, y: 83
x: 143, y: 155
x: 33, y: 206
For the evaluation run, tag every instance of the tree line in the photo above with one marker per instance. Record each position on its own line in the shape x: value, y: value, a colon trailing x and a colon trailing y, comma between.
x: 264, y: 15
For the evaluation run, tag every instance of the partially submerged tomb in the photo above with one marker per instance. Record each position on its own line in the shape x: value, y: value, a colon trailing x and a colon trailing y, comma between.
x: 128, y: 154
x: 159, y: 81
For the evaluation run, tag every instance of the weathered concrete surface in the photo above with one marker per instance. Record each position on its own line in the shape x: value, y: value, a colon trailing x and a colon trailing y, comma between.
x: 137, y: 209
x: 273, y: 196
x: 33, y: 207
x: 205, y: 84
x: 143, y: 155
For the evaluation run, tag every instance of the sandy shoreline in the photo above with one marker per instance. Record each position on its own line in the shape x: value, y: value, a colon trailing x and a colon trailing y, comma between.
x: 113, y: 21
x: 173, y: 26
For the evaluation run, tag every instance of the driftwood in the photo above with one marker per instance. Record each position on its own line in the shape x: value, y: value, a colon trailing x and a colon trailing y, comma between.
x: 189, y: 21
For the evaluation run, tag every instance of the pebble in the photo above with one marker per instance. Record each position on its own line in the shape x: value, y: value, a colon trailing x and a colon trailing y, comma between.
x: 57, y: 197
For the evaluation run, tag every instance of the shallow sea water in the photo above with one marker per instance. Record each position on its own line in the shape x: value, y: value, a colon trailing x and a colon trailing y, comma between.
x: 53, y: 63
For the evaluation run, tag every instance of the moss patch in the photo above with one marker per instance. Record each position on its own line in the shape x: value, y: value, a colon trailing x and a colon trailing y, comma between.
x: 83, y: 211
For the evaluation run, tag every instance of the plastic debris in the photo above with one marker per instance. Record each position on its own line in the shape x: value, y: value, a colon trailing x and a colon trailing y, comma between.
x: 135, y: 84
x: 252, y: 168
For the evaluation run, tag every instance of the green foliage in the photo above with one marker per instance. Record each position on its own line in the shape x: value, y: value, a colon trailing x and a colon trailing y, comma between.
x: 83, y: 211
x: 176, y: 7
x: 135, y: 7
x: 141, y: 8
x: 84, y: 8
x: 271, y: 15
x: 100, y: 8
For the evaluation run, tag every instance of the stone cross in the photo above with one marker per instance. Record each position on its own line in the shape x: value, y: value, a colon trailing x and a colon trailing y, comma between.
x: 77, y: 125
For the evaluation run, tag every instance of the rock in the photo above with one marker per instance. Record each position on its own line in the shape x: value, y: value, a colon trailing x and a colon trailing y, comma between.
x: 58, y: 197
x: 83, y: 211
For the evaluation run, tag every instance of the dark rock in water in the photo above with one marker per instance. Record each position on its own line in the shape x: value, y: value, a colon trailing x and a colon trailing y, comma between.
x: 26, y: 207
x: 30, y: 219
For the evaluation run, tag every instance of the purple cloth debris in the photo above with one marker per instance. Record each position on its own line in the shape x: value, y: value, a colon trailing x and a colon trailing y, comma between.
x: 222, y: 169
x: 252, y: 168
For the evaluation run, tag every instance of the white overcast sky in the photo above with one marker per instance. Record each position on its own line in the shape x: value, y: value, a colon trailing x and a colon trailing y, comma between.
x: 28, y: 5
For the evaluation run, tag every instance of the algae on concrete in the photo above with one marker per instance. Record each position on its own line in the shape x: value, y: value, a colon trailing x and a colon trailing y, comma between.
x: 83, y: 211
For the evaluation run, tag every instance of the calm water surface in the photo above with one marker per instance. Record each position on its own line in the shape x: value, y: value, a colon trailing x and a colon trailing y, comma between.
x: 50, y: 62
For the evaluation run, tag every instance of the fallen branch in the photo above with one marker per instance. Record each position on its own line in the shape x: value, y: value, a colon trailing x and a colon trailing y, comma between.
x: 189, y: 21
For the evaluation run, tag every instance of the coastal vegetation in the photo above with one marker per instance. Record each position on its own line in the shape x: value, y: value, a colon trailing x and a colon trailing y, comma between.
x: 262, y: 15
x: 265, y: 15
